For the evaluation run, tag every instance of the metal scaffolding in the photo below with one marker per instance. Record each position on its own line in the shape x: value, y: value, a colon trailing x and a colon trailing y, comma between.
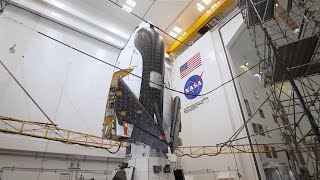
x: 51, y: 132
x: 286, y: 36
x: 196, y: 151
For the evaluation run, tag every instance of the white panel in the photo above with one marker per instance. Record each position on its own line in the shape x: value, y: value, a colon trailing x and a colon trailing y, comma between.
x: 141, y: 7
x: 228, y: 31
x: 216, y: 120
x: 164, y: 11
x: 69, y: 86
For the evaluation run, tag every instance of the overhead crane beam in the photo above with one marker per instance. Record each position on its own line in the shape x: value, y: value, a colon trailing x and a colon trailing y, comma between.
x: 218, y: 7
x: 50, y: 132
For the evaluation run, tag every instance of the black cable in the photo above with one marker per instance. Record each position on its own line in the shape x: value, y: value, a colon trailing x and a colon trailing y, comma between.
x: 232, y: 138
x: 114, y: 151
x: 116, y: 67
x: 233, y: 78
x: 188, y: 45
x: 149, y: 80
x: 68, y: 27
x: 161, y: 85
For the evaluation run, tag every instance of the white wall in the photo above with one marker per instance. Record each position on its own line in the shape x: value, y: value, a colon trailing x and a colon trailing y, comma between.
x: 252, y: 89
x: 33, y: 166
x: 216, y: 120
x: 255, y: 92
x: 69, y: 86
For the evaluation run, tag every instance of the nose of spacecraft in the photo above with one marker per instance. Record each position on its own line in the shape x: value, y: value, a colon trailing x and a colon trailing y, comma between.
x: 145, y: 111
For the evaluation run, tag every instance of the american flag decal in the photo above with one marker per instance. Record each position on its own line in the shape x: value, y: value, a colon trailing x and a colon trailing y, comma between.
x: 190, y: 65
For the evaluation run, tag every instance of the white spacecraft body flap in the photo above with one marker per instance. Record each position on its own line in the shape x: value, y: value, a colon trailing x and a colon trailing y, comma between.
x: 130, y: 58
x: 167, y: 100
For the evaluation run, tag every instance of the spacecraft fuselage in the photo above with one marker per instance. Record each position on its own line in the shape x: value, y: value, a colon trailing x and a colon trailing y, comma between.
x: 135, y: 108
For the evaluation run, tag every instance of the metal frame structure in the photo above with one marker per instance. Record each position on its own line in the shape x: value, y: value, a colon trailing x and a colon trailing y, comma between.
x: 195, y: 151
x: 283, y: 39
x: 51, y: 132
x: 272, y: 28
x: 3, y: 4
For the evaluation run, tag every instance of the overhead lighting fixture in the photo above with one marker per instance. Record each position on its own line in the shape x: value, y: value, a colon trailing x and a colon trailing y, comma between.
x: 244, y: 66
x: 173, y: 34
x: 200, y: 7
x: 258, y: 77
x: 131, y: 3
x: 57, y: 4
x: 206, y: 1
x: 127, y: 8
x: 55, y: 14
x: 177, y: 29
x: 109, y: 38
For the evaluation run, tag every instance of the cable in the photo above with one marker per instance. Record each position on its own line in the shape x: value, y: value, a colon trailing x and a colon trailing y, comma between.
x: 188, y: 45
x: 232, y: 138
x: 161, y: 85
x: 26, y: 92
x: 116, y: 67
x: 97, y: 59
x: 114, y: 151
x: 233, y: 78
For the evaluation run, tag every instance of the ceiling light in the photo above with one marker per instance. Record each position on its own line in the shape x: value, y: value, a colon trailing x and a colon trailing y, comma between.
x: 57, y: 4
x: 131, y: 3
x: 110, y: 38
x: 200, y: 7
x: 277, y: 5
x: 258, y: 77
x: 127, y: 8
x: 173, y: 34
x: 244, y: 66
x: 207, y: 1
x: 55, y: 14
x: 177, y: 30
x: 113, y: 30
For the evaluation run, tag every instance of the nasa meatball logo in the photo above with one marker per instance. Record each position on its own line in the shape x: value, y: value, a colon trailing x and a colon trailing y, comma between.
x: 193, y: 86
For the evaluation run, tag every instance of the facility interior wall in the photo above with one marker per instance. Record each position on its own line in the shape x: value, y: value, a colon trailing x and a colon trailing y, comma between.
x: 69, y: 86
x: 218, y: 118
x: 251, y: 88
x: 37, y: 167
